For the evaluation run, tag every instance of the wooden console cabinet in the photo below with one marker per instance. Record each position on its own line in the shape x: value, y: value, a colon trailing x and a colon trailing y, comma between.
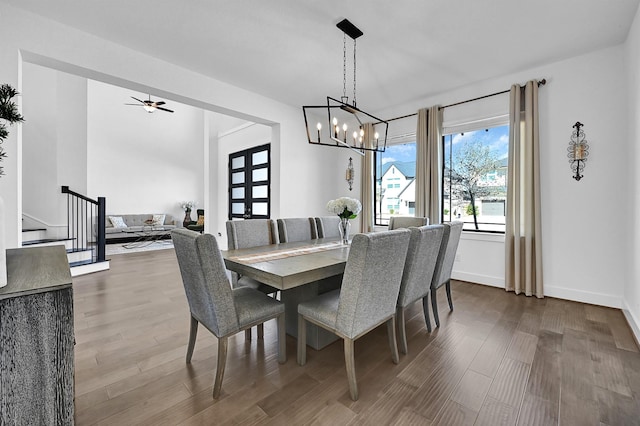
x: 36, y: 339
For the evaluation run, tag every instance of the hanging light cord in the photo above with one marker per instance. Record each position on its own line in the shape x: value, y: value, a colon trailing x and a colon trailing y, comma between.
x: 344, y: 68
x: 354, y: 72
x: 345, y: 98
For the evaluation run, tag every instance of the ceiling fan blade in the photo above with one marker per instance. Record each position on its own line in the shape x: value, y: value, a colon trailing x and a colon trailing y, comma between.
x: 164, y: 109
x: 139, y: 100
x: 160, y: 102
x: 134, y: 104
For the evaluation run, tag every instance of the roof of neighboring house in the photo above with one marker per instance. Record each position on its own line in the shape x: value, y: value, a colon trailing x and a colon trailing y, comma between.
x: 405, y: 188
x: 407, y: 168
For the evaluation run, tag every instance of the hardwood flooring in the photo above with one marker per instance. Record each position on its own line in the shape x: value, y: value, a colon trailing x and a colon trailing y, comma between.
x: 497, y: 359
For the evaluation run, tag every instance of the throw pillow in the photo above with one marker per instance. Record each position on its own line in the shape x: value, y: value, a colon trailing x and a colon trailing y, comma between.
x: 117, y: 222
x: 158, y: 220
x: 200, y: 221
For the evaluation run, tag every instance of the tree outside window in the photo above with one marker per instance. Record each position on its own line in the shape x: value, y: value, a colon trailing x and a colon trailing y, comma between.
x: 474, y: 178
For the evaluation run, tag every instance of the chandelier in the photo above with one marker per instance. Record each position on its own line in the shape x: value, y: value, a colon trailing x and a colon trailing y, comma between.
x: 340, y: 123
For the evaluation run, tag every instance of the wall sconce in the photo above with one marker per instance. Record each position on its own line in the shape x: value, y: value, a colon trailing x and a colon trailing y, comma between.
x: 350, y: 174
x: 578, y: 150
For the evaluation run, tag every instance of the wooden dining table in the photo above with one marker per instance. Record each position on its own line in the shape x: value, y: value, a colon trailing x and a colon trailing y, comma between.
x: 300, y: 270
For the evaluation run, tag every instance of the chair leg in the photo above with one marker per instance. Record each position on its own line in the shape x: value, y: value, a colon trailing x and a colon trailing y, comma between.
x: 349, y: 360
x: 434, y: 305
x: 282, y: 340
x: 261, y: 331
x: 193, y: 331
x: 425, y: 309
x: 247, y: 334
x: 402, y: 332
x: 448, y: 288
x: 391, y: 334
x: 302, y: 341
x: 222, y: 361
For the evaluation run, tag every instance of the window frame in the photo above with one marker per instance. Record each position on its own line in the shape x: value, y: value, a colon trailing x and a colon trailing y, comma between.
x: 471, y: 126
x: 405, y: 139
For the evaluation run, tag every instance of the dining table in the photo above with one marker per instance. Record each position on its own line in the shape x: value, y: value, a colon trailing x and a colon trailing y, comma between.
x: 300, y: 270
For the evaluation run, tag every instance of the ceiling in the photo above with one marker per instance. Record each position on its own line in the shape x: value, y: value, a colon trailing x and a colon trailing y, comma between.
x: 292, y: 51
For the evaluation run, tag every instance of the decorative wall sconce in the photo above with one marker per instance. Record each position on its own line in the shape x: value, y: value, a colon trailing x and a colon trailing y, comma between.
x: 350, y: 174
x: 578, y: 150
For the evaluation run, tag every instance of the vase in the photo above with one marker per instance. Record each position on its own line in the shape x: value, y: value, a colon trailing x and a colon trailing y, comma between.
x: 344, y: 226
x: 3, y: 251
x: 187, y: 218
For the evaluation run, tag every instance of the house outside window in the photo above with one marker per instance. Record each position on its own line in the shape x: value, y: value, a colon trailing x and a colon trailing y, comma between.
x: 474, y: 188
x: 395, y: 171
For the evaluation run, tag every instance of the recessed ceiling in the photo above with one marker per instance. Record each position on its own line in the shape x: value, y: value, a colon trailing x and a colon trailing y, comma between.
x: 292, y: 51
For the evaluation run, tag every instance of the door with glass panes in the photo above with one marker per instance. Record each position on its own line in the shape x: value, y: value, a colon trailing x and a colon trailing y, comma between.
x: 249, y: 183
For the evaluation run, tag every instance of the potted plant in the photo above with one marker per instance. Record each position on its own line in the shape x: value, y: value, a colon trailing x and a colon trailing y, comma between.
x: 8, y: 115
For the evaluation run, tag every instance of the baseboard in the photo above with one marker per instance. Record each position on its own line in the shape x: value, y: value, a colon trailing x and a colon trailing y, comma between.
x: 478, y: 279
x: 90, y: 268
x: 550, y: 291
x: 583, y: 296
x: 634, y: 324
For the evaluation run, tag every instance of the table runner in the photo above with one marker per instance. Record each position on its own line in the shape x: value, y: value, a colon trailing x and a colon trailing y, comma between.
x: 281, y: 254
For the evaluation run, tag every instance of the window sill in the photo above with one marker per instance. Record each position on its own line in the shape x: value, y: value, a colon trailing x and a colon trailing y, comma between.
x: 482, y: 236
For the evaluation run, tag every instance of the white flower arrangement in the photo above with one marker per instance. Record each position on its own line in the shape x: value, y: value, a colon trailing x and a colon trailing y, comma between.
x: 345, y: 207
x: 187, y: 205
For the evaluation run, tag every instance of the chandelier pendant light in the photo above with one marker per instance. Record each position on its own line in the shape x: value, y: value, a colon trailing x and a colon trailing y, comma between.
x: 340, y: 123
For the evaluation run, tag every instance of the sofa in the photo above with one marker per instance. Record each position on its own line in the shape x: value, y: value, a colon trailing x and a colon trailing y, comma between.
x: 121, y: 228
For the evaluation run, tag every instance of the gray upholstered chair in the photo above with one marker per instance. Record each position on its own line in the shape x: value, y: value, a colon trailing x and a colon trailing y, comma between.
x: 368, y: 296
x: 251, y: 233
x: 246, y: 234
x: 444, y: 266
x: 328, y: 226
x: 214, y: 304
x: 397, y: 222
x: 297, y: 229
x: 422, y: 256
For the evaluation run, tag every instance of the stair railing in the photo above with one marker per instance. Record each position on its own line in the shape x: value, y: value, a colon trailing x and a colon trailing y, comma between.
x: 86, y: 223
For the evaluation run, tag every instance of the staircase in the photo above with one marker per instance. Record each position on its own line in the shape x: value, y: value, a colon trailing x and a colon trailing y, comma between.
x: 85, y: 249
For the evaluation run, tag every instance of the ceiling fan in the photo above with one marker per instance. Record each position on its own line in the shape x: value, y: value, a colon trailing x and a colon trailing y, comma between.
x: 149, y: 105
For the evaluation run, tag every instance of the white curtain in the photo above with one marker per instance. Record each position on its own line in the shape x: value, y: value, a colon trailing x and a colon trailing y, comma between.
x: 428, y: 163
x: 366, y: 188
x: 523, y: 263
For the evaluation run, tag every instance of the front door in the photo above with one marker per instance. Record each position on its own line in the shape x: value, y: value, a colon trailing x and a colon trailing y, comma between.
x: 250, y: 183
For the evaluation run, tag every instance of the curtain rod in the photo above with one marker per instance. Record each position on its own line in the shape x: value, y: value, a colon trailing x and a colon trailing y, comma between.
x: 540, y: 83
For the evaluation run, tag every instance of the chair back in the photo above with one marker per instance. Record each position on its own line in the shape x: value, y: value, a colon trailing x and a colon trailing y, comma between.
x: 397, y: 222
x: 297, y: 229
x: 328, y: 226
x: 205, y: 281
x: 422, y: 255
x: 251, y: 233
x: 371, y: 280
x: 447, y: 255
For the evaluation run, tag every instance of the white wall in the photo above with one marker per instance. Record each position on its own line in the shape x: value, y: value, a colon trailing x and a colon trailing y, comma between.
x: 56, y: 150
x: 142, y: 162
x: 632, y: 284
x: 583, y: 258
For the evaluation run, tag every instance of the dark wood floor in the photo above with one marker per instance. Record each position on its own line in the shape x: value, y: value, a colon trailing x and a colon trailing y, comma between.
x: 496, y: 359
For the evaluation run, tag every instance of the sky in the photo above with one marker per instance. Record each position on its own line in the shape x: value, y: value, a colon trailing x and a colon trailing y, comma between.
x: 497, y: 138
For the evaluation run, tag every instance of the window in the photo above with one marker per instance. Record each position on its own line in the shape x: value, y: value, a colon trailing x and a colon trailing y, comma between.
x: 474, y: 184
x: 395, y: 171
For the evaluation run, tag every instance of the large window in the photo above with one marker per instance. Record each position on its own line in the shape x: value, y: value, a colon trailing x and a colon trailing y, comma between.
x: 395, y: 172
x: 474, y: 181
